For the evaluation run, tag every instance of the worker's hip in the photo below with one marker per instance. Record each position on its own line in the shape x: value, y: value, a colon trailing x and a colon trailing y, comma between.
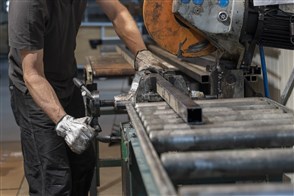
x: 27, y: 112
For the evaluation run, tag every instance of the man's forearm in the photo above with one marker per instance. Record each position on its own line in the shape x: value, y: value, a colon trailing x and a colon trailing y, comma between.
x: 38, y: 86
x: 45, y: 97
x: 127, y: 30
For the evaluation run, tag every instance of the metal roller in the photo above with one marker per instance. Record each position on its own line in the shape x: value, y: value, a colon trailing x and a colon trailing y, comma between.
x: 160, y: 127
x: 233, y: 102
x: 157, y: 121
x: 241, y: 108
x: 155, y: 112
x: 234, y: 163
x: 220, y: 124
x: 249, y: 117
x: 223, y: 138
x: 238, y: 189
x: 243, y: 112
x: 150, y: 104
x: 161, y: 116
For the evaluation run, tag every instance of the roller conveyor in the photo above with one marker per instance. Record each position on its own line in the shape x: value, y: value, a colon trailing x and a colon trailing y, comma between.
x: 239, y: 140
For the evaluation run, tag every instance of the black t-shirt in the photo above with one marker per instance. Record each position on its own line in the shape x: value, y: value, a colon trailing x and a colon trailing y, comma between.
x: 51, y: 25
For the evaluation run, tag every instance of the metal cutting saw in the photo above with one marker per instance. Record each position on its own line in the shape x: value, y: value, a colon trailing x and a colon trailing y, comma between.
x: 194, y: 129
x: 224, y: 32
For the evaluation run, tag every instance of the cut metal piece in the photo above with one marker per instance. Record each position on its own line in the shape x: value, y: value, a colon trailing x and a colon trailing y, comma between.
x: 268, y: 136
x: 183, y: 105
x: 229, y: 163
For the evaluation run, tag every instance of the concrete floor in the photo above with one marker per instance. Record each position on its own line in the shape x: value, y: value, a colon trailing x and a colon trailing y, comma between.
x: 12, y: 180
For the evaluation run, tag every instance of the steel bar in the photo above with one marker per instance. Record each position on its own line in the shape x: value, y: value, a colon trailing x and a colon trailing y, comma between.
x: 234, y: 163
x: 160, y: 177
x: 223, y: 138
x: 288, y: 89
x: 286, y: 189
x: 198, y: 74
x: 181, y: 103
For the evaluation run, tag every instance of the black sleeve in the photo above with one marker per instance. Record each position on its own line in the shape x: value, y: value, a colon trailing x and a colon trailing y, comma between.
x: 26, y: 24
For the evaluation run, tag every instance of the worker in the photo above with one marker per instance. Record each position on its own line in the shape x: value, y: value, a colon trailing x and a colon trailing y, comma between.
x: 55, y: 134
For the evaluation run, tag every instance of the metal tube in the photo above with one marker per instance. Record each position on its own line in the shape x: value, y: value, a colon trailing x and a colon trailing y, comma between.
x: 198, y: 74
x: 238, y: 189
x: 181, y: 103
x: 223, y: 138
x: 234, y: 163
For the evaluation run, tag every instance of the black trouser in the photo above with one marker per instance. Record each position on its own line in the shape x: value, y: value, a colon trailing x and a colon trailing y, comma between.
x: 51, y: 168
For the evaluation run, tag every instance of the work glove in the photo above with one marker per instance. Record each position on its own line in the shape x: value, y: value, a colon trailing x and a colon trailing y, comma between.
x: 145, y: 61
x: 77, y: 133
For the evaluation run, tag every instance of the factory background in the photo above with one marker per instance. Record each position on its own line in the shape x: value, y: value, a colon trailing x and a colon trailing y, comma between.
x: 280, y: 64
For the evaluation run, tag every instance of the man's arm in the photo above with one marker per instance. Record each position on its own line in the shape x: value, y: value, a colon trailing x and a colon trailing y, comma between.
x: 77, y: 133
x: 123, y: 23
x: 38, y: 86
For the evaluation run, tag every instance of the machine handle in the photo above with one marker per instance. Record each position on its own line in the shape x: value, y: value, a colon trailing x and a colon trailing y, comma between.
x: 83, y: 88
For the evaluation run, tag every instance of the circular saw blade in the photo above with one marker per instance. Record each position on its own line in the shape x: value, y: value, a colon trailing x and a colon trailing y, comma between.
x: 170, y: 33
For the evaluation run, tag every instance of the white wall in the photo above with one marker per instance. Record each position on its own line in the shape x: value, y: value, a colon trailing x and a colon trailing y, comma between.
x: 280, y: 64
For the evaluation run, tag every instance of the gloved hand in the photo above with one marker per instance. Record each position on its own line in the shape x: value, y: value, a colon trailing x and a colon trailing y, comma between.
x: 145, y: 60
x: 77, y: 133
